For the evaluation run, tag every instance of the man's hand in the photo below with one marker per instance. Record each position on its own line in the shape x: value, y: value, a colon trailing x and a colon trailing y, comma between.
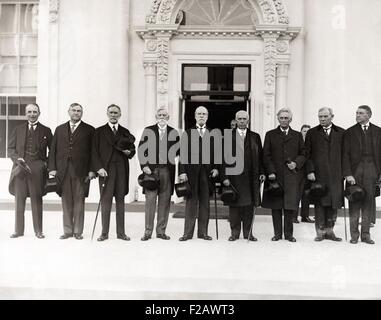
x: 102, y: 173
x: 272, y: 177
x: 126, y: 152
x: 262, y: 178
x: 53, y: 173
x: 291, y: 165
x: 147, y: 170
x: 351, y: 180
x: 91, y: 175
x: 226, y: 182
x: 214, y: 173
x: 183, y: 177
x: 311, y: 177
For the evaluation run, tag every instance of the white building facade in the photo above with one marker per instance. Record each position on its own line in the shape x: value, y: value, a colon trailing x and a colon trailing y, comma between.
x: 258, y: 55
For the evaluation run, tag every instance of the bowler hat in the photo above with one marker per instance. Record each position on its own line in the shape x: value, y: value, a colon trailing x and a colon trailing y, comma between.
x: 20, y: 169
x: 183, y: 189
x: 229, y: 194
x: 149, y: 181
x: 354, y: 193
x: 317, y: 190
x: 51, y: 185
x: 124, y: 143
x: 274, y: 188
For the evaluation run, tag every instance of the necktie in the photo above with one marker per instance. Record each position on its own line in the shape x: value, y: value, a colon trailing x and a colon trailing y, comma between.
x: 114, y: 130
x: 285, y: 132
x: 365, y: 128
x: 242, y: 135
x: 326, y: 131
x: 32, y: 127
x: 162, y: 132
x: 72, y: 128
x: 201, y: 131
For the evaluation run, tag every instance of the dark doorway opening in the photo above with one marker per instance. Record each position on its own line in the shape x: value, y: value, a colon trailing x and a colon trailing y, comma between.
x: 223, y: 89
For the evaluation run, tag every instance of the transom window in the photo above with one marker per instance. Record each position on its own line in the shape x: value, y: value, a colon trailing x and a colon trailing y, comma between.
x: 217, y: 13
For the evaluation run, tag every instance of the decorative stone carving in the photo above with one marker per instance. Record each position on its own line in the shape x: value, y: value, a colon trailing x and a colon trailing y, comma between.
x: 151, y: 45
x: 270, y: 60
x: 165, y: 11
x: 149, y: 68
x: 53, y: 10
x: 282, y: 16
x: 268, y: 11
x: 151, y: 18
x: 282, y: 46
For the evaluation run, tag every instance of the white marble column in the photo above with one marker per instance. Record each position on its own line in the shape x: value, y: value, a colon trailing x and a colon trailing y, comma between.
x: 281, y: 86
x: 150, y: 91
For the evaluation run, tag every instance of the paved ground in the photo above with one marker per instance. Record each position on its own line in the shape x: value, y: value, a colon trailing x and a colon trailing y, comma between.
x: 70, y: 269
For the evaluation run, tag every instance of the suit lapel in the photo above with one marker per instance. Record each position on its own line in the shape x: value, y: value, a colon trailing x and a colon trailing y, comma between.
x: 374, y: 137
x: 23, y: 134
x: 323, y: 134
x: 77, y: 132
x: 358, y: 133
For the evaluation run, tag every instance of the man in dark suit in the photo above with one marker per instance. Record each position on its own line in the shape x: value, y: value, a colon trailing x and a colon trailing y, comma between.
x: 283, y: 158
x: 196, y: 166
x: 155, y: 156
x: 247, y: 183
x: 28, y: 146
x: 113, y: 146
x: 362, y: 165
x: 323, y: 150
x: 70, y: 163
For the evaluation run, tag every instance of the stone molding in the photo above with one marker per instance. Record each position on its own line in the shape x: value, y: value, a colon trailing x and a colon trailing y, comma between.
x: 54, y: 6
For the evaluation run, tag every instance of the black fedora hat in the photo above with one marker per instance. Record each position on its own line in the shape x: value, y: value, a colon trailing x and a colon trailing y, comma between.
x: 354, y: 193
x: 317, y: 190
x: 183, y: 189
x: 274, y: 188
x: 124, y: 143
x: 229, y: 194
x: 149, y: 181
x: 51, y: 185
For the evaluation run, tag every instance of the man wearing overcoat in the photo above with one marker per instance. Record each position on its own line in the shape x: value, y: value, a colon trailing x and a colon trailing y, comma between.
x: 324, y: 165
x: 113, y: 147
x: 28, y: 146
x: 362, y: 166
x: 70, y: 163
x: 283, y: 158
x: 197, y: 166
x: 247, y: 182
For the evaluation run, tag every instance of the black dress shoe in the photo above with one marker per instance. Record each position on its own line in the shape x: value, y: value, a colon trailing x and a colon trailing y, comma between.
x: 353, y: 241
x: 231, y: 238
x: 123, y: 237
x: 275, y: 238
x: 205, y: 237
x: 145, y: 237
x: 295, y: 220
x: 78, y: 236
x: 163, y: 236
x: 319, y: 238
x: 66, y: 236
x: 16, y: 235
x: 252, y: 238
x: 371, y: 225
x: 292, y: 239
x: 103, y: 237
x: 368, y: 241
x: 183, y: 238
x: 333, y: 238
x: 308, y: 220
x: 40, y: 235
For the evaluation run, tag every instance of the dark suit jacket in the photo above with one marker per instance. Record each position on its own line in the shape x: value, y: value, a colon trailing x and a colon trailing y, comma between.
x: 81, y: 152
x: 255, y: 148
x: 104, y: 146
x: 16, y: 149
x: 154, y: 141
x: 186, y: 151
x: 277, y: 150
x: 324, y: 158
x: 353, y: 145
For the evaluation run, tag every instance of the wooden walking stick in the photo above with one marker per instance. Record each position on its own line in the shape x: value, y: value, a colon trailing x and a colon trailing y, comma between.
x: 103, y: 185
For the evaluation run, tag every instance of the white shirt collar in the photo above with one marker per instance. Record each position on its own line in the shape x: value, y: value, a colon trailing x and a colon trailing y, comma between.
x: 288, y: 129
x: 32, y: 124
x: 199, y: 127
x: 365, y: 124
x: 240, y: 131
x: 162, y: 128
x: 75, y: 124
x: 328, y: 128
x: 116, y: 125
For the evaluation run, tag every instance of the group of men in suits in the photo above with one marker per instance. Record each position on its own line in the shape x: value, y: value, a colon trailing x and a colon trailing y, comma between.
x: 79, y: 153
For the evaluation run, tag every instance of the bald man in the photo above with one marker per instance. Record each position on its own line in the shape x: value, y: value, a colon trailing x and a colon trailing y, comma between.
x: 246, y: 182
x: 197, y: 172
x: 28, y: 145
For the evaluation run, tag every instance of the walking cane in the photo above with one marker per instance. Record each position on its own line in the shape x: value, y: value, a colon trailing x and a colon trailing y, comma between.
x: 99, y: 205
x: 345, y: 221
x: 255, y: 210
x: 215, y: 208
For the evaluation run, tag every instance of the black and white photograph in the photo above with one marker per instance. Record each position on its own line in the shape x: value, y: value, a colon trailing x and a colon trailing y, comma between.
x: 190, y: 151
